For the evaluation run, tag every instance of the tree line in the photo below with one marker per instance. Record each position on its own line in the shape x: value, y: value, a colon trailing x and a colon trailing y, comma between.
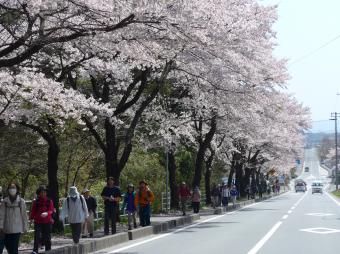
x: 91, y: 89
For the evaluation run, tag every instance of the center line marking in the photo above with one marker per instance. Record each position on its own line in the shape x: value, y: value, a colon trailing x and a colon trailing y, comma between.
x: 271, y: 232
x: 260, y: 244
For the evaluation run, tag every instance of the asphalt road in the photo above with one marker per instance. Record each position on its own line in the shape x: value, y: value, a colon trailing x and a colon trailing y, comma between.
x: 290, y: 223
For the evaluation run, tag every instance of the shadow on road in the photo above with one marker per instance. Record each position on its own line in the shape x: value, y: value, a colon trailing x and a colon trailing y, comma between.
x: 205, y: 225
x: 257, y: 209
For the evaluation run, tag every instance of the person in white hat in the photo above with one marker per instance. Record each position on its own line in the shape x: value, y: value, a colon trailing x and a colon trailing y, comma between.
x: 75, y: 210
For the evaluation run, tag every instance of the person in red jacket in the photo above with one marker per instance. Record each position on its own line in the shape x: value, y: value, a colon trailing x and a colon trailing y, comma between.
x: 184, y: 195
x: 41, y: 213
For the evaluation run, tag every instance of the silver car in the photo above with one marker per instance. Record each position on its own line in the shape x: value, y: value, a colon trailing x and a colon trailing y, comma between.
x: 317, y: 187
x: 300, y: 186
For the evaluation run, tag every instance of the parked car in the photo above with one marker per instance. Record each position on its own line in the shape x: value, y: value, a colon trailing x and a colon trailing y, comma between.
x: 306, y: 169
x: 317, y: 187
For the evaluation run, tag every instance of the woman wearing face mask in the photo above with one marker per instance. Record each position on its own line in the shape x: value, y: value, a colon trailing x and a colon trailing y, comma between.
x: 13, y: 218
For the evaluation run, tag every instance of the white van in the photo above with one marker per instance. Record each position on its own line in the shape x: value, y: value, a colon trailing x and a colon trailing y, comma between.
x: 317, y: 187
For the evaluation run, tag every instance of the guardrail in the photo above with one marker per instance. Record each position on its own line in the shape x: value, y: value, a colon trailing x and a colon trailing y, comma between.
x: 165, y: 202
x: 98, y: 216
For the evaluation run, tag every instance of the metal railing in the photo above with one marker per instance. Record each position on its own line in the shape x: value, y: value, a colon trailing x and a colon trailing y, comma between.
x: 165, y: 201
x: 98, y: 216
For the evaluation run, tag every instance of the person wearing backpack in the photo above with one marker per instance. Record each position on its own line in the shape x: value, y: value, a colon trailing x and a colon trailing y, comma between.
x: 75, y: 210
x: 91, y: 203
x: 184, y: 195
x: 225, y: 195
x: 233, y: 194
x: 196, y: 199
x: 143, y: 200
x: 129, y: 205
x: 13, y: 218
x: 111, y: 195
x: 41, y: 213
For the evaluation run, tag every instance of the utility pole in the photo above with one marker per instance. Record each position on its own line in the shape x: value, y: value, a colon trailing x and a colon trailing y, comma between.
x: 335, y: 119
x: 167, y: 181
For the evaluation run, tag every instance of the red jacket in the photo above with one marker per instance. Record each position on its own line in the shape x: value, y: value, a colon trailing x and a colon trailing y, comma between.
x: 40, y: 206
x: 184, y: 192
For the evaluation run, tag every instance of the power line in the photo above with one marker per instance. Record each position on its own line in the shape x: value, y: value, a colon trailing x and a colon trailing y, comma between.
x: 315, y: 51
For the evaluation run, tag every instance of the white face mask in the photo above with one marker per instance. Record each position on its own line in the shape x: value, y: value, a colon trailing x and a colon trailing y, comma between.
x: 12, y: 191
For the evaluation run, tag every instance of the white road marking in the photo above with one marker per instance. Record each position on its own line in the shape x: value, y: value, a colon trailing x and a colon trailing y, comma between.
x: 285, y: 216
x: 321, y: 231
x: 293, y: 208
x: 260, y: 244
x: 332, y: 198
x: 271, y: 232
x: 319, y: 214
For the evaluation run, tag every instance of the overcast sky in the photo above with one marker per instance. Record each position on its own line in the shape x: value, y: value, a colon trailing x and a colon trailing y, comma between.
x: 303, y: 27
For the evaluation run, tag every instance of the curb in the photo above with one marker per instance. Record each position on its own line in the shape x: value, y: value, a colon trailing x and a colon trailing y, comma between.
x: 105, y: 242
x: 221, y: 210
x: 98, y: 244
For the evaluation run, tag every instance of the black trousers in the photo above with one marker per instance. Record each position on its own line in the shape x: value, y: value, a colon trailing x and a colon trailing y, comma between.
x: 225, y: 201
x: 110, y: 215
x: 12, y: 243
x: 76, y: 231
x: 42, y: 232
x: 144, y: 215
x: 196, y: 207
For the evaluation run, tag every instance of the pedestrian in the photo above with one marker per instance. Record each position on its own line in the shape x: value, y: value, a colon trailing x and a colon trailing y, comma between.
x: 129, y: 205
x: 143, y: 200
x: 41, y: 213
x: 234, y: 195
x: 111, y: 195
x: 247, y: 190
x: 215, y: 194
x: 76, y: 212
x: 225, y: 195
x: 253, y: 189
x: 184, y: 195
x: 196, y: 199
x: 91, y: 203
x: 13, y: 218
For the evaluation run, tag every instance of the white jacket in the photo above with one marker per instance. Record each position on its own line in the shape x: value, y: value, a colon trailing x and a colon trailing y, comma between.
x: 225, y: 193
x: 13, y: 216
x: 74, y: 211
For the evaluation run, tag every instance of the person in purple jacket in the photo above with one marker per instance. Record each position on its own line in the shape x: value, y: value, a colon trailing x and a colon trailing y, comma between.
x: 129, y: 205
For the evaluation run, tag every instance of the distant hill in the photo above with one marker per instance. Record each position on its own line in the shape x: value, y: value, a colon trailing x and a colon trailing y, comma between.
x: 313, y: 139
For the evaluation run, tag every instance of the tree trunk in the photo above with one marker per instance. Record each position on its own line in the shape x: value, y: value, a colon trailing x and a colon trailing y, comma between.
x: 24, y: 184
x: 207, y: 179
x: 172, y: 181
x: 52, y: 173
x: 203, y: 146
x: 111, y: 162
x: 238, y: 177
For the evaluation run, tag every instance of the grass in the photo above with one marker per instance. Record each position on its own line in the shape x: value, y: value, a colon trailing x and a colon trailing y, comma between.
x: 336, y: 193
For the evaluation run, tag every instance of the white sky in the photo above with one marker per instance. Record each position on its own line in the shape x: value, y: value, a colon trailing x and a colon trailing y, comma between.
x: 303, y: 27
